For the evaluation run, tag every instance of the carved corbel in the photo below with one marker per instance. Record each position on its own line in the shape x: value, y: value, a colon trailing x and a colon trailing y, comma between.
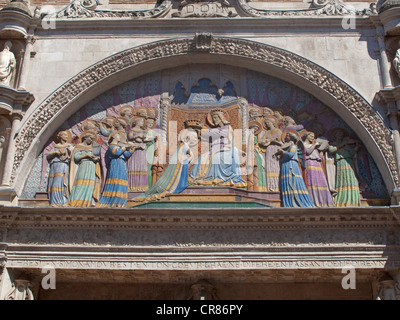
x: 388, y: 288
x: 203, y: 290
x: 20, y: 291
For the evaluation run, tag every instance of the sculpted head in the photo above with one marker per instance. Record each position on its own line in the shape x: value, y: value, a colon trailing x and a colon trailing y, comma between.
x: 137, y: 122
x: 88, y: 138
x: 308, y: 136
x: 120, y: 123
x: 289, y: 121
x: 8, y: 45
x: 218, y: 118
x: 149, y: 123
x: 62, y: 137
x: 126, y: 111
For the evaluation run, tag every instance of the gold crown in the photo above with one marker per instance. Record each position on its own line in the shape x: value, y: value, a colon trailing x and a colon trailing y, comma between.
x: 192, y: 123
x: 217, y: 110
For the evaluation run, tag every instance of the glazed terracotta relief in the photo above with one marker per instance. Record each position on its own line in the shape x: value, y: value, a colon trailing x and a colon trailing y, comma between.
x: 276, y: 144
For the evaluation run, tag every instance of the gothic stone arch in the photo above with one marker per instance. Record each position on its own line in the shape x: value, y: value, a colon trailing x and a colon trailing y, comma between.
x: 137, y: 61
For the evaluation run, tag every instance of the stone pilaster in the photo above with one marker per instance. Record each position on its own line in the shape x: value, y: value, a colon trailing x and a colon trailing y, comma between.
x: 13, y: 103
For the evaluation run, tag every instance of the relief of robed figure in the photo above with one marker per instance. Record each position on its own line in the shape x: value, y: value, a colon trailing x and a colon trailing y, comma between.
x: 316, y: 180
x: 219, y: 165
x: 292, y: 187
x: 270, y: 140
x: 347, y: 182
x: 85, y: 173
x: 58, y: 159
x: 115, y: 192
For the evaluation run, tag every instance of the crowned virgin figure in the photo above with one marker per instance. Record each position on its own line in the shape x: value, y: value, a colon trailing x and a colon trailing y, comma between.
x: 219, y: 165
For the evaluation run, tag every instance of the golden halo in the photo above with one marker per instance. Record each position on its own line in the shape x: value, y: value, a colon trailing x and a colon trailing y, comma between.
x: 152, y: 110
x: 106, y: 118
x: 154, y: 122
x: 120, y: 119
x: 83, y: 123
x: 84, y: 133
x: 120, y: 132
x: 55, y: 138
x: 304, y: 133
x: 269, y: 108
x: 141, y: 112
x: 209, y: 118
x: 258, y: 111
x: 281, y: 111
x: 258, y: 125
x: 134, y: 118
x: 285, y: 132
x: 126, y: 108
x: 273, y: 118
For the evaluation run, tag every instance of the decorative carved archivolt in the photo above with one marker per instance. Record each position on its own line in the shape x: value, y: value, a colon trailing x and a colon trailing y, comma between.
x: 219, y: 46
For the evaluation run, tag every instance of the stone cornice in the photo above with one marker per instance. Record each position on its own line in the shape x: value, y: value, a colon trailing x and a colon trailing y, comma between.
x: 15, y: 24
x: 79, y: 9
x: 14, y: 99
x: 288, y: 26
x: 91, y: 240
x: 199, y: 219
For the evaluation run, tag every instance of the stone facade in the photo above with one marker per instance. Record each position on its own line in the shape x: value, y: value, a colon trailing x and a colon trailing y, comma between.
x: 329, y: 65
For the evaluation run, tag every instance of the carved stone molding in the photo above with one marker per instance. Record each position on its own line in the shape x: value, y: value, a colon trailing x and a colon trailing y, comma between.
x: 322, y: 79
x: 88, y: 9
x: 14, y: 100
x: 210, y: 240
x: 318, y: 8
x: 210, y: 9
x: 199, y: 219
x: 205, y: 9
x: 189, y: 277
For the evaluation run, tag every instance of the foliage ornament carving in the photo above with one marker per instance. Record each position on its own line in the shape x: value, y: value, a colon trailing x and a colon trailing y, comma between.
x: 318, y: 7
x: 285, y: 60
x: 212, y: 8
x: 88, y: 9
